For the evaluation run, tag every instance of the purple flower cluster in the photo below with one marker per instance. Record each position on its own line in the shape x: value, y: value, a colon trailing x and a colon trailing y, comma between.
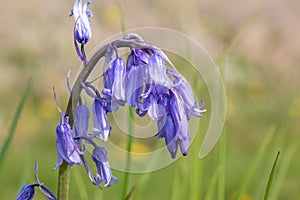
x: 149, y: 85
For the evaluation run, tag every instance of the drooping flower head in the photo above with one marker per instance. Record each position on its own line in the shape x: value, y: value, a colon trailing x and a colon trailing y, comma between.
x: 173, y: 126
x: 67, y: 149
x: 158, y: 71
x: 101, y: 126
x: 114, y: 85
x: 135, y: 76
x: 82, y: 29
x: 104, y: 174
x: 28, y: 190
x: 180, y: 121
x: 81, y: 121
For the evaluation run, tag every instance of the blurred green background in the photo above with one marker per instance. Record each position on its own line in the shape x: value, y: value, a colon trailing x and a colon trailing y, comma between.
x: 260, y: 65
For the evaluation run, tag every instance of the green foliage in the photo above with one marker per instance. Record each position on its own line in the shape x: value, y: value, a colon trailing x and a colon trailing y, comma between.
x: 271, y: 177
x: 14, y: 122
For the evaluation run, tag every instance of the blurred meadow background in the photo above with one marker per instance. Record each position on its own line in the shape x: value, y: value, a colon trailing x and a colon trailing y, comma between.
x: 256, y: 46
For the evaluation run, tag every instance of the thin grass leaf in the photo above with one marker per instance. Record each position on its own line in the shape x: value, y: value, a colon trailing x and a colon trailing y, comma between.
x: 255, y: 162
x: 129, y: 145
x: 282, y: 171
x: 142, y: 187
x: 221, y: 160
x: 176, y: 189
x: 27, y: 169
x: 130, y: 193
x: 213, y: 183
x: 196, y: 182
x: 270, y: 180
x: 122, y: 18
x: 14, y: 122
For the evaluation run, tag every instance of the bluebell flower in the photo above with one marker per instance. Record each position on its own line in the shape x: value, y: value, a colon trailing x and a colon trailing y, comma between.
x: 166, y: 126
x: 82, y: 29
x: 173, y: 126
x: 48, y: 193
x: 81, y: 121
x: 99, y: 108
x: 158, y: 71
x: 66, y: 147
x: 101, y: 125
x: 27, y: 192
x: 99, y: 156
x: 180, y: 121
x: 108, y: 80
x: 149, y: 102
x: 118, y: 87
x: 135, y: 76
x: 167, y: 130
x: 114, y: 85
x: 185, y: 91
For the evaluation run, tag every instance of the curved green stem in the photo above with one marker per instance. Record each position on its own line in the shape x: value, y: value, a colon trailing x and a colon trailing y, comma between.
x: 64, y: 169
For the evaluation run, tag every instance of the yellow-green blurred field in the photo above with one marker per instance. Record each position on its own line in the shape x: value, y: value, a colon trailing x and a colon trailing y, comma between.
x: 261, y: 74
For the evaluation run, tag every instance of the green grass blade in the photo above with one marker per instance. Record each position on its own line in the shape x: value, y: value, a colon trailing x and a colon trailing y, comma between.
x: 129, y: 145
x: 196, y: 182
x: 130, y: 192
x: 176, y: 189
x: 288, y: 155
x: 256, y: 161
x: 213, y: 183
x: 221, y: 160
x: 26, y: 169
x: 271, y: 177
x: 14, y: 122
x: 122, y: 18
